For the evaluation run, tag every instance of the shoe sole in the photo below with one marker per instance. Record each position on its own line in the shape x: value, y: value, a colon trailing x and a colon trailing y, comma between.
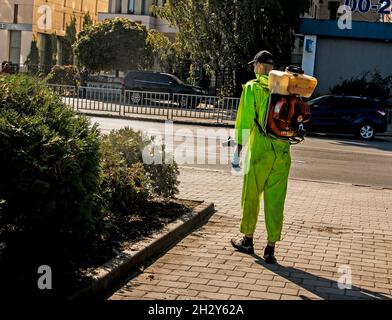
x: 241, y: 249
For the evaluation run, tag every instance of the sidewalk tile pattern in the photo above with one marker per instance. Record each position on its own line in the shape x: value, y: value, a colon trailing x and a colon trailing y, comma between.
x: 332, y: 232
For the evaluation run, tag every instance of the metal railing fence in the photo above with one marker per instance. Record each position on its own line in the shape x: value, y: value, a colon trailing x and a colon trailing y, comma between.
x: 157, y: 104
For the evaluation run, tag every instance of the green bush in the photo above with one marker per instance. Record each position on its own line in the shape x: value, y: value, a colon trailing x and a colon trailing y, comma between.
x: 162, y: 178
x: 64, y: 190
x: 371, y: 85
x: 50, y: 176
x: 63, y: 75
x: 124, y: 187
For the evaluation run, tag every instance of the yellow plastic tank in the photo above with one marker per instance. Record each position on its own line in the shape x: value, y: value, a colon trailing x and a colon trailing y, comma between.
x: 293, y: 81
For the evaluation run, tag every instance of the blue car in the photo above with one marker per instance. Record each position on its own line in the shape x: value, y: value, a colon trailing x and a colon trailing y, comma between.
x: 363, y: 117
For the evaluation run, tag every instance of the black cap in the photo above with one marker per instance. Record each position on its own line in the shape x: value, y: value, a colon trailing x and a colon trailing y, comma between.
x: 263, y: 57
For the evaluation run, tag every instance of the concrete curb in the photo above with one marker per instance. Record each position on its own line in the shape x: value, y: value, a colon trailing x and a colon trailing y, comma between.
x: 200, y: 123
x: 111, y: 273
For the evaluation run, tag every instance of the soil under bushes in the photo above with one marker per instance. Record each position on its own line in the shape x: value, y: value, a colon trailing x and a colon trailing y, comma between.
x: 126, y: 232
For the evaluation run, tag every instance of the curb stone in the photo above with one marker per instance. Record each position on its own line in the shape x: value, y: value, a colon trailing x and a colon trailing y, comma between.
x: 110, y: 274
x: 175, y: 121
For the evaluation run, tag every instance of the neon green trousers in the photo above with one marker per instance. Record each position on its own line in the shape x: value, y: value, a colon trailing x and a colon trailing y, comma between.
x: 266, y: 170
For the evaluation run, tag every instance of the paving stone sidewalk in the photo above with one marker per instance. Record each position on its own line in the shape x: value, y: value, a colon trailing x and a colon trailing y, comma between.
x: 327, y: 226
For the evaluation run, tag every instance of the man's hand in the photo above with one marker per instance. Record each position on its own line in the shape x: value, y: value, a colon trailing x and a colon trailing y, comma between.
x: 235, y: 163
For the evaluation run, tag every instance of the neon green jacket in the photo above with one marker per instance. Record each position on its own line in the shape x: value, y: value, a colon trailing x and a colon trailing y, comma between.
x: 255, y: 96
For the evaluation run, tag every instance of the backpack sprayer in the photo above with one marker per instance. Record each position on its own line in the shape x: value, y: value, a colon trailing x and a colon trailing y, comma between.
x: 287, y: 112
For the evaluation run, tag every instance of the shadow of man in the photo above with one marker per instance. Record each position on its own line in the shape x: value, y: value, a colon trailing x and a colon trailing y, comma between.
x: 322, y: 287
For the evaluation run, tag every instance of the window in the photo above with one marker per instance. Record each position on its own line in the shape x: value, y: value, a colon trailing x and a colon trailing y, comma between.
x: 15, y: 41
x: 16, y: 13
x: 117, y: 8
x: 333, y: 7
x: 360, y: 104
x: 131, y: 6
x: 63, y: 20
x: 166, y: 80
x: 321, y: 102
x: 310, y: 11
x: 155, y: 78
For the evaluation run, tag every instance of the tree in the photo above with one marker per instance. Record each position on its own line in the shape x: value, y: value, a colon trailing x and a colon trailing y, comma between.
x: 54, y: 48
x: 166, y: 52
x: 87, y: 21
x: 118, y: 44
x: 371, y: 85
x: 32, y: 60
x: 225, y: 34
x: 48, y: 53
x: 68, y: 41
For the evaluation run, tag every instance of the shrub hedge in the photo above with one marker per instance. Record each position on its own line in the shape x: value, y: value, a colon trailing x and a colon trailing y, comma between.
x: 61, y: 182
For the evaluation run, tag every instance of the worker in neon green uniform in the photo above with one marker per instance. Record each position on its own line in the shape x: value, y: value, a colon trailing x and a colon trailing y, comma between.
x: 267, y: 163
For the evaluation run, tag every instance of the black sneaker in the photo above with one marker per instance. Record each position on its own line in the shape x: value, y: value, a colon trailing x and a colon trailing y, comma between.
x: 269, y: 255
x: 244, y: 244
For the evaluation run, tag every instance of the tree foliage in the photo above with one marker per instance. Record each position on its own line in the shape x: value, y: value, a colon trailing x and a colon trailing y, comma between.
x: 87, y: 21
x: 63, y: 75
x: 68, y: 41
x: 114, y: 44
x: 32, y: 60
x: 50, y: 176
x: 369, y: 84
x: 227, y: 34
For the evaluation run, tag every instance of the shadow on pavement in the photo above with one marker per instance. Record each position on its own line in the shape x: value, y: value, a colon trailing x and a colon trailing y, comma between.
x: 380, y: 142
x: 322, y: 287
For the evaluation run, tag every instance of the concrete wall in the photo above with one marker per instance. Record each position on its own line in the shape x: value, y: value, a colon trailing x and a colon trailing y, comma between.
x: 25, y: 11
x: 27, y: 36
x: 339, y: 59
x: 4, y: 45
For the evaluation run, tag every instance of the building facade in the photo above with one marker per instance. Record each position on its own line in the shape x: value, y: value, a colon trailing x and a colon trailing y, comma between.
x: 139, y: 11
x: 21, y: 20
x: 332, y: 53
x: 328, y: 10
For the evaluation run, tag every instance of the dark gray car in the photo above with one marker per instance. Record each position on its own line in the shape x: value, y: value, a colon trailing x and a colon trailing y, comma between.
x: 158, y: 82
x: 361, y: 116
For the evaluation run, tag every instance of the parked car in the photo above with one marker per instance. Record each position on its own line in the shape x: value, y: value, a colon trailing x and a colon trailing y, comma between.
x: 165, y: 83
x: 9, y: 67
x: 363, y: 117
